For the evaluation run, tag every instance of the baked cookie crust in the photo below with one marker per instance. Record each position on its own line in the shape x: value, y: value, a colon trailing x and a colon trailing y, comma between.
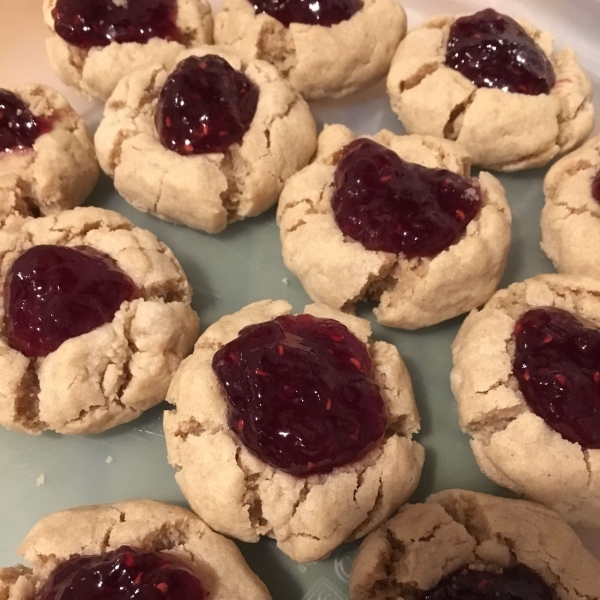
x: 320, y: 62
x: 96, y: 72
x: 204, y: 191
x: 423, y: 543
x: 513, y: 446
x: 143, y: 524
x: 112, y: 374
x: 412, y: 293
x: 236, y: 493
x: 501, y: 130
x: 61, y: 169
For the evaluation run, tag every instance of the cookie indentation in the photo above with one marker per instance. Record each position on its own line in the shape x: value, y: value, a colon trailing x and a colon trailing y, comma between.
x: 89, y: 23
x: 596, y: 187
x: 301, y: 394
x: 124, y: 574
x: 310, y: 12
x: 391, y: 205
x: 55, y: 293
x: 205, y: 106
x: 557, y: 364
x: 494, y: 51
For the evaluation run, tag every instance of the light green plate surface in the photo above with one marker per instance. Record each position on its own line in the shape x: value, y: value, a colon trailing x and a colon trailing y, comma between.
x: 243, y: 265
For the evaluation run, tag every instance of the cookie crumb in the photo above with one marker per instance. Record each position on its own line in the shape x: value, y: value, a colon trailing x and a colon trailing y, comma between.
x: 109, y: 459
x: 285, y: 281
x: 40, y: 480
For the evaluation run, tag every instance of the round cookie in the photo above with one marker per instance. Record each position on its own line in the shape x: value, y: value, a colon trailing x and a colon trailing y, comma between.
x: 95, y: 70
x: 319, y: 61
x: 416, y: 553
x: 205, y: 191
x: 109, y: 374
x: 502, y: 130
x: 522, y: 439
x: 570, y: 227
x: 50, y: 165
x: 237, y: 493
x: 144, y: 526
x: 414, y: 291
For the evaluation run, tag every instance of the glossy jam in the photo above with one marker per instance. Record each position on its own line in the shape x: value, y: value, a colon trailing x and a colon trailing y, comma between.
x: 309, y: 12
x: 596, y: 187
x: 19, y: 127
x: 54, y: 293
x: 89, y: 23
x: 557, y: 365
x: 494, y: 51
x: 301, y: 394
x: 205, y: 106
x: 514, y: 583
x: 391, y: 205
x: 124, y: 574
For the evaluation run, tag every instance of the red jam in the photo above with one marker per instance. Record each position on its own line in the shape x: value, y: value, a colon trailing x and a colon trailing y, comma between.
x: 514, y: 583
x: 310, y: 12
x: 301, y: 394
x: 19, y: 127
x: 390, y: 205
x: 124, y: 574
x: 54, y: 293
x: 596, y: 187
x: 494, y: 51
x: 205, y: 106
x: 89, y: 23
x: 557, y: 365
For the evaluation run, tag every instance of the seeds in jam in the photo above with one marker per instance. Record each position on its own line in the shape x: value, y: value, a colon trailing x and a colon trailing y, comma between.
x: 514, y: 583
x: 494, y: 51
x: 301, y: 394
x: 390, y: 205
x: 557, y: 365
x: 19, y: 127
x: 310, y: 12
x: 55, y: 293
x: 124, y: 574
x: 205, y: 106
x: 89, y: 23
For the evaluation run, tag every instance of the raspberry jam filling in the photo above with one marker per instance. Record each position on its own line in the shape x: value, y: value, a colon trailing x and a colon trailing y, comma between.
x: 19, y: 127
x: 54, y: 293
x: 205, y: 106
x: 514, y: 583
x: 124, y: 574
x: 301, y: 394
x: 309, y: 12
x: 596, y: 187
x: 89, y: 23
x: 390, y: 205
x: 557, y: 365
x: 494, y: 51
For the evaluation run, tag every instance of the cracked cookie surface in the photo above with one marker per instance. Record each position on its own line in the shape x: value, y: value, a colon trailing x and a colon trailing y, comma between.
x: 144, y: 524
x: 454, y: 529
x: 96, y: 71
x: 501, y: 130
x: 204, y: 191
x: 320, y: 62
x: 512, y: 445
x: 58, y: 172
x: 113, y: 373
x: 412, y: 293
x: 238, y: 494
x: 571, y: 215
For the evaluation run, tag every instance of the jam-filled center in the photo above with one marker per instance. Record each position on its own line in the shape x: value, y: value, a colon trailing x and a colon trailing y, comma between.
x: 89, y: 23
x: 596, y: 187
x: 301, y: 394
x: 557, y: 365
x: 390, y: 205
x: 124, y: 574
x: 55, y: 293
x: 513, y: 583
x: 205, y: 106
x: 19, y: 127
x: 494, y: 51
x: 309, y: 12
